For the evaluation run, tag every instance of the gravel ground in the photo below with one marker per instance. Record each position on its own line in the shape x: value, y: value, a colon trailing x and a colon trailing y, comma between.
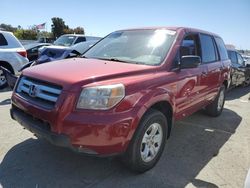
x: 202, y: 152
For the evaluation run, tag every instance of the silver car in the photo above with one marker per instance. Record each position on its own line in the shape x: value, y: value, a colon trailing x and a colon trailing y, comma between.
x: 12, y: 55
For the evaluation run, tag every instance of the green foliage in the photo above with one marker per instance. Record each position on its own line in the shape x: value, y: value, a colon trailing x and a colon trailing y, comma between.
x: 8, y: 27
x: 79, y: 30
x: 26, y: 34
x: 59, y: 28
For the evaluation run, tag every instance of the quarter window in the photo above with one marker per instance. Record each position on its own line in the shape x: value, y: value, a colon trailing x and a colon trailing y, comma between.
x: 3, y: 41
x: 207, y: 49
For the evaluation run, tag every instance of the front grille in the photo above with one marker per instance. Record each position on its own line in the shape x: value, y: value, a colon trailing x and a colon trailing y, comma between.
x: 39, y: 92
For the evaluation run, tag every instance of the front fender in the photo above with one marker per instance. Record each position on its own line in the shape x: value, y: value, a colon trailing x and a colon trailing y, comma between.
x: 148, y: 99
x: 158, y: 95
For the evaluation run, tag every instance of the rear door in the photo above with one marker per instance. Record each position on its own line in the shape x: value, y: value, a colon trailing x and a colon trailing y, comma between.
x: 210, y: 59
x: 241, y: 69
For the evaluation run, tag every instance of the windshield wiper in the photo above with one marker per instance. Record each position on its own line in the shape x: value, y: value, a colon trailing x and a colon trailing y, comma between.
x: 111, y: 59
x: 118, y: 60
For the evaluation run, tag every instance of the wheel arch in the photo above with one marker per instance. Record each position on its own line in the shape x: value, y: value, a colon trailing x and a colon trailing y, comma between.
x: 166, y: 108
x: 7, y: 65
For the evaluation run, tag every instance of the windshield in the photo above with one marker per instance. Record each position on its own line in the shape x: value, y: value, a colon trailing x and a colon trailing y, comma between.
x: 147, y: 47
x: 65, y: 40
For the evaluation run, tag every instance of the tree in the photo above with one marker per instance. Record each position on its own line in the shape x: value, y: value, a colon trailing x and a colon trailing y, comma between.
x: 8, y: 27
x: 26, y: 34
x: 79, y: 30
x: 58, y: 26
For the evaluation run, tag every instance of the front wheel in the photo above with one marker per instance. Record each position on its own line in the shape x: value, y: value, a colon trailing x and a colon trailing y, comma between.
x: 148, y: 142
x: 215, y: 108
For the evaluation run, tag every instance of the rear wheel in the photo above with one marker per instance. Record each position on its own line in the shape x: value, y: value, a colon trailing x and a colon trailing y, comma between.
x: 246, y: 82
x: 215, y: 108
x: 3, y: 81
x: 148, y: 142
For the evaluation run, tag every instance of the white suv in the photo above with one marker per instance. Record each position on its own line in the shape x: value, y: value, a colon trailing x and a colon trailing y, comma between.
x: 12, y: 55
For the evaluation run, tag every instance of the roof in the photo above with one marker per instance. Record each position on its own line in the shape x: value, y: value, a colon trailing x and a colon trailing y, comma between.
x: 1, y: 31
x: 186, y: 29
x: 77, y: 35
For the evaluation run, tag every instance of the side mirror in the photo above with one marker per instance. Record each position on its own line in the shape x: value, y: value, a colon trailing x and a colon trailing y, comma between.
x: 190, y: 61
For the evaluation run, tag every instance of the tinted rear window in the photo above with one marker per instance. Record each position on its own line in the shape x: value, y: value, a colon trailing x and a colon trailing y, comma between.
x: 222, y: 49
x: 3, y: 41
x: 80, y: 39
x: 207, y: 48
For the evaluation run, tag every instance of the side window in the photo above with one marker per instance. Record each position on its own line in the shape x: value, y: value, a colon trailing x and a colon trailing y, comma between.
x: 240, y: 59
x: 80, y: 39
x: 232, y: 56
x: 3, y: 41
x: 207, y: 49
x: 190, y: 45
x: 222, y: 49
x: 33, y: 50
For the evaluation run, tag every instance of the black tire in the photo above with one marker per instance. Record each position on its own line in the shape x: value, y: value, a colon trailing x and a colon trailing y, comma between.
x: 132, y: 158
x: 246, y: 82
x: 215, y: 108
x: 2, y: 77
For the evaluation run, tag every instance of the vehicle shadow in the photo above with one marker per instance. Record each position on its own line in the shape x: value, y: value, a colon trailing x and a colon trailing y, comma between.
x: 5, y: 89
x: 5, y: 102
x: 237, y: 92
x: 193, y: 143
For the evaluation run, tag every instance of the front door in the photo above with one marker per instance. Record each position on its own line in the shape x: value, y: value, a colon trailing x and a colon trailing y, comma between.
x: 192, y: 83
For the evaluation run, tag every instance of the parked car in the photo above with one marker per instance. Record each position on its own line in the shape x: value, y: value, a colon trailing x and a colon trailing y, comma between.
x: 12, y: 55
x: 240, y: 74
x: 45, y: 40
x: 123, y: 96
x: 32, y: 50
x: 72, y: 39
x: 50, y: 54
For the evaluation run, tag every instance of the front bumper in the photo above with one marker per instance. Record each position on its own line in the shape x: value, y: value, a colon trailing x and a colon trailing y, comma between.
x: 41, y: 129
x: 96, y: 133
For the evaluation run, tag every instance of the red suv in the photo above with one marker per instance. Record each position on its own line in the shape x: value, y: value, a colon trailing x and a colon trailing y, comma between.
x: 124, y: 94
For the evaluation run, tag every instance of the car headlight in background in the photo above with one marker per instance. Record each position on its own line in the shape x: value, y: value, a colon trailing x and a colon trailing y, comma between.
x: 101, y: 97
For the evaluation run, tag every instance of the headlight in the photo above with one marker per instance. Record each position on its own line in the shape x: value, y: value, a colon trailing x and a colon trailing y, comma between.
x: 101, y: 97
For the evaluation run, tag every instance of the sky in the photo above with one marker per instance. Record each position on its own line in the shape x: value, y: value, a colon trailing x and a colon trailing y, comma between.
x: 228, y: 18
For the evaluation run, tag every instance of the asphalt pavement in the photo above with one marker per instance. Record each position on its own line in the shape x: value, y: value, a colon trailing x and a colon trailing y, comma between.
x: 201, y: 152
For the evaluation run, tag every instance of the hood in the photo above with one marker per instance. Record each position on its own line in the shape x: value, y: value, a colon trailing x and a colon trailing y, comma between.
x: 70, y: 73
